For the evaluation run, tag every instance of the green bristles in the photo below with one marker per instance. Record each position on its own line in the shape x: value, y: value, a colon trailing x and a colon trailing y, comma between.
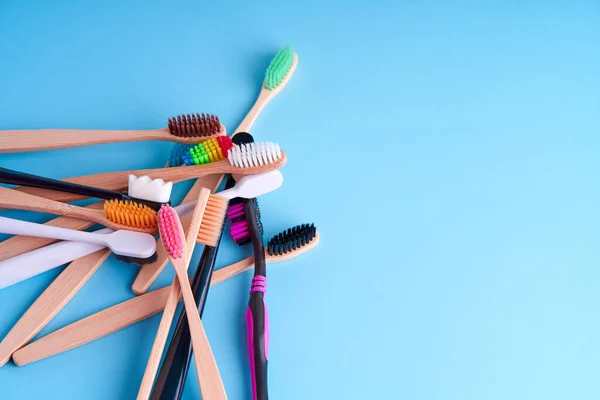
x: 279, y: 67
x: 199, y: 155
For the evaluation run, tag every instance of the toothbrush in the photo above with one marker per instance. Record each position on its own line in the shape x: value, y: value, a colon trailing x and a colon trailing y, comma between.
x: 277, y: 76
x: 123, y: 242
x: 64, y: 287
x: 116, y: 214
x: 190, y: 128
x: 247, y: 187
x: 173, y: 239
x: 257, y: 317
x: 21, y: 178
x: 263, y: 157
x: 285, y: 246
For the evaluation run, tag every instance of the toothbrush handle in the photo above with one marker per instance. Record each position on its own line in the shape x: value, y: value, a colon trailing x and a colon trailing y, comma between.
x: 21, y: 178
x: 17, y: 227
x: 257, y: 319
x: 173, y: 372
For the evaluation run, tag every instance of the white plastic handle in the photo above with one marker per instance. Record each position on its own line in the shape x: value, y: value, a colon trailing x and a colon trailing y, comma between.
x: 35, y: 262
x: 25, y: 228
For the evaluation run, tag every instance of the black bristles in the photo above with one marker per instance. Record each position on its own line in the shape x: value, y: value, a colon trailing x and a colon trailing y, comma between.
x: 137, y: 260
x: 291, y: 239
x: 257, y: 216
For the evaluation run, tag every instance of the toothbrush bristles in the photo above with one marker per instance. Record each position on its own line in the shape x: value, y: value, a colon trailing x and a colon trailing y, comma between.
x: 170, y: 232
x: 254, y: 154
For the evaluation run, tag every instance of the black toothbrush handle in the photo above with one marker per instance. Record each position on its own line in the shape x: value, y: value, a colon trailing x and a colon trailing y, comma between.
x: 257, y: 317
x: 21, y: 178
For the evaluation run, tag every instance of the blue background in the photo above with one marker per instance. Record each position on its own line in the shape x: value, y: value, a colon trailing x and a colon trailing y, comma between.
x: 448, y: 153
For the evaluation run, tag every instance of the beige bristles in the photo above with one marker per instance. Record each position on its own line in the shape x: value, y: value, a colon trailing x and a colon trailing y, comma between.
x: 213, y: 220
x: 129, y: 213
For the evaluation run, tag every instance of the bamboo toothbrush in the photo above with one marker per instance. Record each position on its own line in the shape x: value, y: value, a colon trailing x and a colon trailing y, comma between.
x: 285, y: 246
x: 116, y: 215
x: 21, y: 178
x: 190, y: 128
x: 173, y: 239
x: 262, y: 157
x: 122, y: 242
x: 247, y: 187
x: 277, y: 76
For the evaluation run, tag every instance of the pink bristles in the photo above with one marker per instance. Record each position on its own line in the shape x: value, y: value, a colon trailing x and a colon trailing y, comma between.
x: 239, y: 230
x: 235, y: 211
x: 171, y: 235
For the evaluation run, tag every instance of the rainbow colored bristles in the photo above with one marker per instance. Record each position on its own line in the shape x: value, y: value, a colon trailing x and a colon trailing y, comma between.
x: 170, y: 231
x: 209, y: 151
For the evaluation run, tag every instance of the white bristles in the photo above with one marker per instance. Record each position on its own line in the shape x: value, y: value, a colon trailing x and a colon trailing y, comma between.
x: 254, y: 154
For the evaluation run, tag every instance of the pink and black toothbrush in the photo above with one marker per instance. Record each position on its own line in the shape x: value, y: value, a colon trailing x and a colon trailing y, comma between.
x: 257, y: 317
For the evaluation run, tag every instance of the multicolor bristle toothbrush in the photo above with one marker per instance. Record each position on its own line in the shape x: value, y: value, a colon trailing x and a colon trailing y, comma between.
x: 116, y: 214
x: 30, y: 180
x: 189, y: 128
x: 262, y: 157
x: 287, y: 245
x: 174, y: 241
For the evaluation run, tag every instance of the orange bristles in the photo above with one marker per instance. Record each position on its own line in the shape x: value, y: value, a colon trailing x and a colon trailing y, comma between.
x: 213, y: 220
x: 129, y: 213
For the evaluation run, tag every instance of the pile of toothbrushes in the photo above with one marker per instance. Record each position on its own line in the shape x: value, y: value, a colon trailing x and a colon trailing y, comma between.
x: 134, y: 209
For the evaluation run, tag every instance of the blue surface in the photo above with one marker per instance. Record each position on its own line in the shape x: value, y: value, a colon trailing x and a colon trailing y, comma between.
x: 449, y: 155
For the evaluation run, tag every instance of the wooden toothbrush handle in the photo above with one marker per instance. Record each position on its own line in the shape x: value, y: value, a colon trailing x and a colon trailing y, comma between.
x: 159, y: 342
x: 15, y: 200
x: 111, y: 320
x: 261, y: 101
x: 50, y: 139
x: 209, y: 378
x: 50, y: 302
x: 18, y: 245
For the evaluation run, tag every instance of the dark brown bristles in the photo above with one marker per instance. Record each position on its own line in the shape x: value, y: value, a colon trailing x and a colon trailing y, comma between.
x: 194, y: 125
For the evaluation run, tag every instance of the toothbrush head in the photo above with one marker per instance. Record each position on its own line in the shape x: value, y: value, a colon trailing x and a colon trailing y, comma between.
x: 279, y: 67
x: 171, y: 232
x: 195, y: 125
x: 213, y: 220
x: 254, y: 154
x: 297, y: 238
x: 130, y: 214
x: 239, y: 229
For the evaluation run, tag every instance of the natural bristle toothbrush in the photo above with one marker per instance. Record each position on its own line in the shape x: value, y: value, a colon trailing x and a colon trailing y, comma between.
x: 290, y: 243
x: 189, y: 128
x: 122, y: 242
x: 278, y: 74
x: 116, y: 215
x: 241, y: 161
x: 148, y: 196
x: 174, y: 241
